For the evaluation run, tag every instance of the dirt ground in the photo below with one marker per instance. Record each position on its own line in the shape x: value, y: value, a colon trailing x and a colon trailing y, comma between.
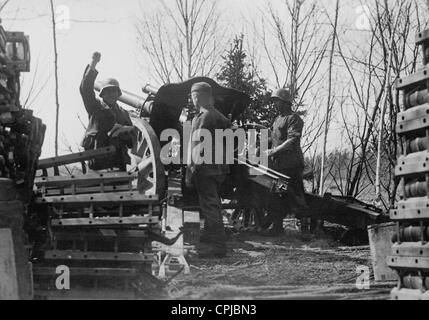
x: 287, y: 267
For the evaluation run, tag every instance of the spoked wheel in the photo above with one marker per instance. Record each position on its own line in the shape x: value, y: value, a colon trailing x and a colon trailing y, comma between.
x: 245, y: 219
x: 146, y: 159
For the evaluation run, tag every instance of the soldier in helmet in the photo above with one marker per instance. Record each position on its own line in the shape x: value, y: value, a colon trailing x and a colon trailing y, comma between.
x: 287, y: 158
x: 108, y: 123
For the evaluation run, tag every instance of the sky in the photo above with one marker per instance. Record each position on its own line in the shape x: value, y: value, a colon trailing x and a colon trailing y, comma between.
x: 107, y: 26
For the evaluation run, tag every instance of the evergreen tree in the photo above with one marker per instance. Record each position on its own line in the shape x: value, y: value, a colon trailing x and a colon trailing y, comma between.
x: 239, y: 74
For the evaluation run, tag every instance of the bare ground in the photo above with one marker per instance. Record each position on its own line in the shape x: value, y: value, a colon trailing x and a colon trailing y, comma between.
x: 287, y: 267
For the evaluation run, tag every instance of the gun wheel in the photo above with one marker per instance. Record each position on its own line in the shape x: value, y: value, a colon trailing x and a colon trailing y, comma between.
x: 145, y: 156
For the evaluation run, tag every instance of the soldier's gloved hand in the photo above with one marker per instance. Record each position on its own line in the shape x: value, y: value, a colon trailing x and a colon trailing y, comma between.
x: 96, y: 58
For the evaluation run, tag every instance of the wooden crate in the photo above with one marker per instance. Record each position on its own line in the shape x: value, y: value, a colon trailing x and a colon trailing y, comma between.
x: 380, y: 242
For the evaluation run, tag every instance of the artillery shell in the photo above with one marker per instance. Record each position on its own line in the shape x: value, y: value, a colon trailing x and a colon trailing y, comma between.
x: 411, y: 234
x: 415, y: 189
x: 416, y: 98
x: 414, y: 282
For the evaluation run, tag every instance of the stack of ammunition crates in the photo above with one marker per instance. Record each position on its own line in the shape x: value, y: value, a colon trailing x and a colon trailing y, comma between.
x: 21, y: 139
x: 21, y: 134
x: 410, y: 248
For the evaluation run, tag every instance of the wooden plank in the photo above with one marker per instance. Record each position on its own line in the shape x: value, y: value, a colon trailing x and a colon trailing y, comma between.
x: 409, y: 294
x: 104, y: 221
x: 83, y: 190
x: 101, y: 234
x: 413, y: 119
x: 8, y: 273
x: 410, y: 249
x: 117, y: 197
x: 412, y: 164
x: 85, y: 180
x: 413, y: 263
x: 75, y: 158
x: 412, y: 79
x: 93, y: 272
x: 411, y: 209
x: 12, y: 217
x: 380, y: 241
x: 98, y: 256
x: 74, y: 211
x: 422, y: 37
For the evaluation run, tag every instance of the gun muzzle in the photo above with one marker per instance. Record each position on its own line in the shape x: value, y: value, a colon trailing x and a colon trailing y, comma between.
x: 149, y: 89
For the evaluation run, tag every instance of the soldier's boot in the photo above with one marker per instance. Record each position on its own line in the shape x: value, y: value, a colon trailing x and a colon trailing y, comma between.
x: 213, y: 234
x: 212, y: 243
x: 305, y: 225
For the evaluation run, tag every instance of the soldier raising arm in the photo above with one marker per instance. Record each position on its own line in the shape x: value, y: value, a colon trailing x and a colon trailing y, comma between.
x: 92, y: 104
x: 108, y: 123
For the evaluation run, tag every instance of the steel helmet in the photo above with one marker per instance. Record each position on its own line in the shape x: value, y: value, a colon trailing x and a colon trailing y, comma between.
x: 110, y: 83
x: 282, y: 94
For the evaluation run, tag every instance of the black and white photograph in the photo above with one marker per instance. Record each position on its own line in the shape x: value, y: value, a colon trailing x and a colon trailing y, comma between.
x: 213, y: 154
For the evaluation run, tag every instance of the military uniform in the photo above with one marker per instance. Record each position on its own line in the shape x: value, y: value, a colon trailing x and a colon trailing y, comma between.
x: 286, y: 127
x: 102, y: 119
x: 208, y: 178
x: 289, y: 162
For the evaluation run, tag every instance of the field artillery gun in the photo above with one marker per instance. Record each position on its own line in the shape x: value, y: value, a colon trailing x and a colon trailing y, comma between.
x: 169, y: 106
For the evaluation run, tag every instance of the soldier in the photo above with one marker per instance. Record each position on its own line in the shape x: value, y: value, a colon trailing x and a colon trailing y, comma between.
x: 207, y: 177
x: 287, y: 158
x: 108, y: 123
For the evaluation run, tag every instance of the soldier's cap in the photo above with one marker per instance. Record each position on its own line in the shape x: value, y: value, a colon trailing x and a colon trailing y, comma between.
x: 283, y: 95
x: 201, y: 87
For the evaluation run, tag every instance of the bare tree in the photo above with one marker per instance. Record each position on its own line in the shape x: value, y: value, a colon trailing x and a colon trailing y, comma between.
x: 328, y: 104
x: 36, y: 84
x: 371, y: 71
x: 300, y: 46
x: 3, y: 4
x: 294, y: 40
x: 54, y: 37
x: 399, y: 21
x: 182, y: 40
